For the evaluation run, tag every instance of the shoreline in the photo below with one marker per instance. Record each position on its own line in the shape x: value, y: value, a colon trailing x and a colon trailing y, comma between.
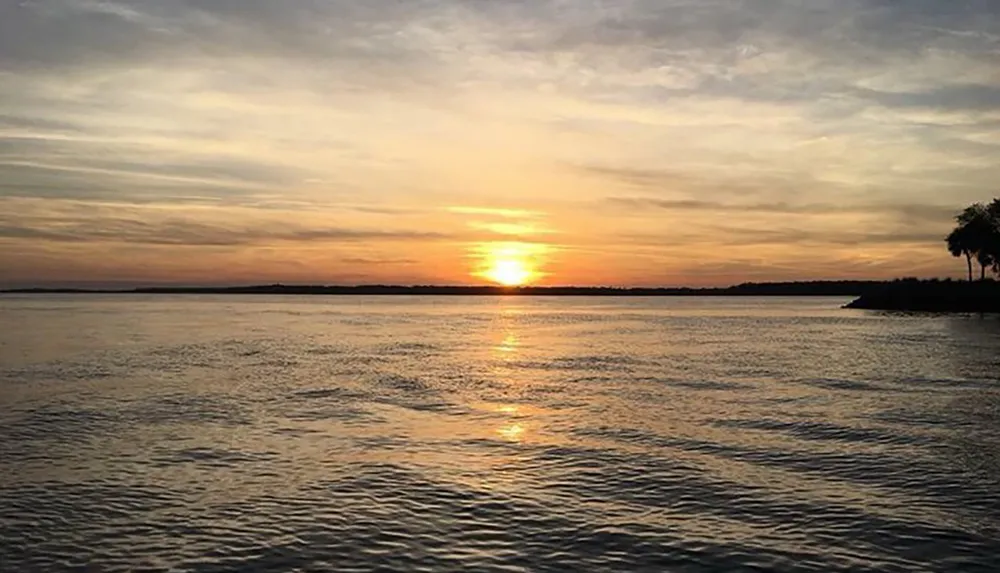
x: 904, y: 295
x: 933, y: 296
x: 819, y: 288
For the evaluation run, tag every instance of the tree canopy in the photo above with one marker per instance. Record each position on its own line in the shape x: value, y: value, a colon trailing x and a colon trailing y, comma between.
x: 977, y: 237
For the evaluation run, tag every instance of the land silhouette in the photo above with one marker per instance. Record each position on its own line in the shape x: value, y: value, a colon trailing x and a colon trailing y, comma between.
x: 903, y: 294
x: 811, y: 288
x: 933, y: 296
x: 976, y: 237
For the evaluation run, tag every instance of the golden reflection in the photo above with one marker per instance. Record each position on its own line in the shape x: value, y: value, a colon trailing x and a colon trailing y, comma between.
x: 509, y: 263
x: 509, y: 344
x: 504, y: 333
x: 512, y: 432
x: 515, y: 427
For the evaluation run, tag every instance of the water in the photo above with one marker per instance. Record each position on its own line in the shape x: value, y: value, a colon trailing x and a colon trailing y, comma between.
x: 442, y: 434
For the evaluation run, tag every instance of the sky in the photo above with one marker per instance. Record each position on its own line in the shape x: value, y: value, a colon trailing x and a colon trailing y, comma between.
x: 612, y: 142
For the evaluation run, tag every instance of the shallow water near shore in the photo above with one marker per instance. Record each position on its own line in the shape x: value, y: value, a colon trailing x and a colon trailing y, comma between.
x: 213, y: 433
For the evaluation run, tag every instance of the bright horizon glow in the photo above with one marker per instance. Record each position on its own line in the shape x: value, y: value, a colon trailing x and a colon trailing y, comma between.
x: 510, y: 263
x: 510, y: 272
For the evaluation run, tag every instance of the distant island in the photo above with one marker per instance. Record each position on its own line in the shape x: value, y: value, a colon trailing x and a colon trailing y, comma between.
x: 904, y: 294
x: 811, y: 288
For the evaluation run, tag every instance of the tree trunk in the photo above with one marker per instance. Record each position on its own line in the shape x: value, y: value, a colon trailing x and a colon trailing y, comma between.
x: 982, y: 272
x: 968, y: 259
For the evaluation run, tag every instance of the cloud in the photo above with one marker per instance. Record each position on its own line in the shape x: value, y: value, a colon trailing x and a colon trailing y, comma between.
x: 221, y: 171
x: 495, y: 212
x: 189, y: 233
x: 516, y: 229
x: 36, y: 221
x: 828, y: 225
x: 71, y: 33
x: 377, y: 261
x: 789, y: 237
x: 969, y: 97
x: 220, y: 123
x: 664, y: 181
x: 29, y: 125
x: 914, y: 213
x: 716, y: 39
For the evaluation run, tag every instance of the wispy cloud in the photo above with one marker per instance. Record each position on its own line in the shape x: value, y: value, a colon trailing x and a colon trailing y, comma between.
x: 495, y: 212
x: 74, y: 222
x: 180, y: 232
x: 517, y: 229
x: 914, y: 213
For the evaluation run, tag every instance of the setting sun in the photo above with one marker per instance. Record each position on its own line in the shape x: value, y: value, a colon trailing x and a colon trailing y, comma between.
x: 509, y: 264
x: 510, y: 273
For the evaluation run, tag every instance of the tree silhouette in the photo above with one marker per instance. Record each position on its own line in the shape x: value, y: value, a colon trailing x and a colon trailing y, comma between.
x: 993, y: 245
x: 977, y: 236
x: 959, y: 244
x: 986, y: 260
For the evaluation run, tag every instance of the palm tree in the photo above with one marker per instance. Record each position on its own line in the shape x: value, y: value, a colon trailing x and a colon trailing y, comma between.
x: 960, y: 243
x: 986, y: 261
x: 978, y: 236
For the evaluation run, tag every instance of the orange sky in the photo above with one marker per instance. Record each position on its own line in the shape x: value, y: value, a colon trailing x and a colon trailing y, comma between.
x: 621, y: 142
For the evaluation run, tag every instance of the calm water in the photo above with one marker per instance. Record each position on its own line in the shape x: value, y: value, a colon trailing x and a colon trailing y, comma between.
x: 484, y: 434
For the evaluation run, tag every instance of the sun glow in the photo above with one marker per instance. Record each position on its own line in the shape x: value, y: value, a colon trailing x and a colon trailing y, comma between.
x: 510, y: 273
x: 509, y: 264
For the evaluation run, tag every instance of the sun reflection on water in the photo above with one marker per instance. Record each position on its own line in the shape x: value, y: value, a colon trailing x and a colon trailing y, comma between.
x: 509, y: 344
x: 514, y: 419
x: 512, y: 432
x: 505, y: 332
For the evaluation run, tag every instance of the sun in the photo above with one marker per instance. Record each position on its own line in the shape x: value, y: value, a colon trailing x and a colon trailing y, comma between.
x: 509, y: 264
x: 509, y: 272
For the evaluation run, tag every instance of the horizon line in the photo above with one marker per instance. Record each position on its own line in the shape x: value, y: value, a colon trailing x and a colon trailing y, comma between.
x: 818, y: 286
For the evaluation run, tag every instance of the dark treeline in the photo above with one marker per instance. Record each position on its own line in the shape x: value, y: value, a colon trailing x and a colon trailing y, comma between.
x: 977, y: 237
x: 811, y: 288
